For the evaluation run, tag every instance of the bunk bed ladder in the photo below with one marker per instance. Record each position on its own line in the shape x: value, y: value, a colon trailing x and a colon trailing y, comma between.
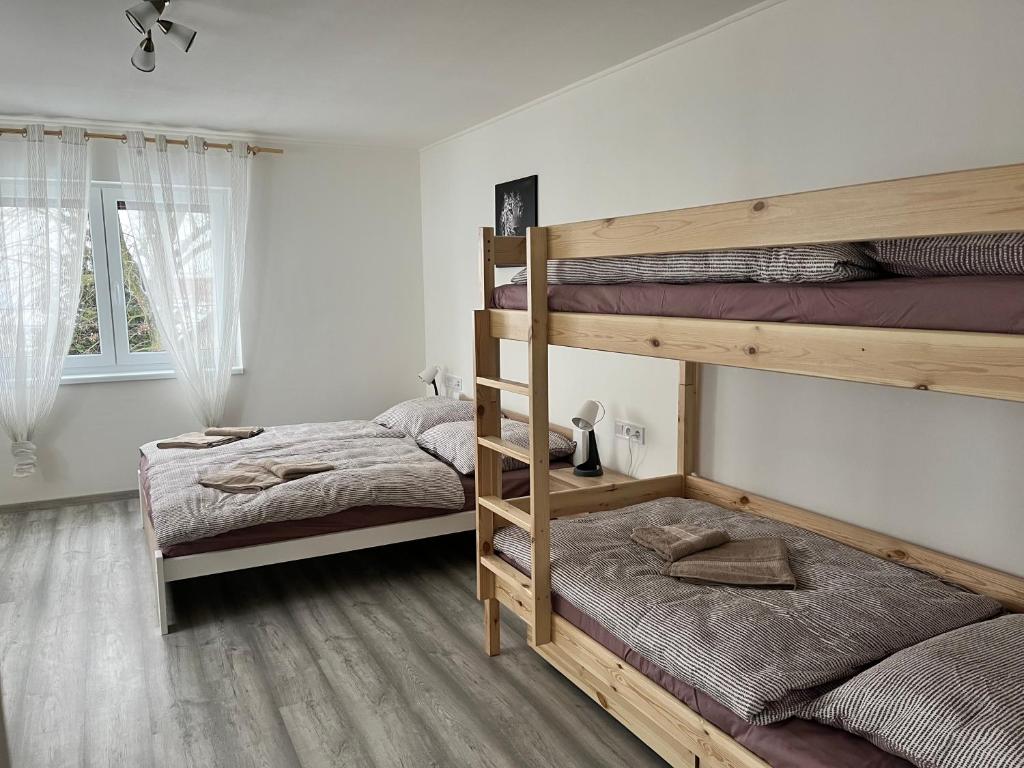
x: 531, y: 595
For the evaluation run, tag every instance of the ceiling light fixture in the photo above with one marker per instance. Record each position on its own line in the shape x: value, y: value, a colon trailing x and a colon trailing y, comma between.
x: 179, y: 34
x: 144, y: 16
x: 144, y: 58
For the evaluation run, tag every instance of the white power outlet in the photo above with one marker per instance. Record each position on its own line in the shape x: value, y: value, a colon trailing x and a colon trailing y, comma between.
x: 629, y: 431
x: 452, y: 384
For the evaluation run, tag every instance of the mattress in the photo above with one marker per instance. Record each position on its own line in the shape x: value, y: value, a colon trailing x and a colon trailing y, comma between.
x: 515, y: 483
x: 849, y: 609
x: 988, y: 304
x: 793, y: 743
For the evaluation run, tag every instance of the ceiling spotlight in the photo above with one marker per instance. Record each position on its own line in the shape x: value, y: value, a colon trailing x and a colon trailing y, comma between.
x: 144, y: 15
x: 144, y: 58
x: 179, y: 34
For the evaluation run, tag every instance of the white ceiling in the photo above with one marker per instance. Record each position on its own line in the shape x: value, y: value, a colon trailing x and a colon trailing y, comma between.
x: 401, y: 72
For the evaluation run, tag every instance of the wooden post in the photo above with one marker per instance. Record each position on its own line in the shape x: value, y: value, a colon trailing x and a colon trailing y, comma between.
x: 540, y: 502
x: 488, y: 464
x: 689, y: 417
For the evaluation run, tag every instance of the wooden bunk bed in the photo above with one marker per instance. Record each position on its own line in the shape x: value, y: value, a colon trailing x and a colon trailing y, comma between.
x: 980, y: 364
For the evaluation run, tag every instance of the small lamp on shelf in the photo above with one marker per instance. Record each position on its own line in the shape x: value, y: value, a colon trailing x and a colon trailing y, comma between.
x: 589, y: 414
x: 429, y: 376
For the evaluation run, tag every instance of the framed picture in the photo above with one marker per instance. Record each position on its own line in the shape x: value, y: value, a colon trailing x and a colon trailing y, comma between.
x: 515, y: 206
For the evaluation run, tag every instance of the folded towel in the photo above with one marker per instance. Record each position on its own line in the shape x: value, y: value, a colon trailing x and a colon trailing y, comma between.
x: 240, y: 433
x: 256, y: 476
x: 745, y: 563
x: 196, y: 440
x: 672, y: 542
x: 244, y: 477
x: 293, y: 470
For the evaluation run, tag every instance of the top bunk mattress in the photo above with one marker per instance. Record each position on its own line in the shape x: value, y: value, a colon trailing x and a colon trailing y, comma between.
x: 984, y: 303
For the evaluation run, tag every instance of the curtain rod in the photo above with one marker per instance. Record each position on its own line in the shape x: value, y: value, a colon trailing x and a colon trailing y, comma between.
x: 255, y: 150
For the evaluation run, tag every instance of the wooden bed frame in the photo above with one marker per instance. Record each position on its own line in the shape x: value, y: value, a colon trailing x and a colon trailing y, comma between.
x: 168, y: 569
x: 981, y: 364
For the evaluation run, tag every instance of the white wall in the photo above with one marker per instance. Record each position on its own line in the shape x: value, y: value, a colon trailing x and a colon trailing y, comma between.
x: 802, y: 95
x: 331, y: 320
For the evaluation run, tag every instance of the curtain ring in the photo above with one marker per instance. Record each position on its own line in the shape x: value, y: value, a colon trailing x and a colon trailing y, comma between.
x: 124, y: 138
x: 186, y: 143
x: 206, y: 145
x: 60, y: 136
x: 24, y: 133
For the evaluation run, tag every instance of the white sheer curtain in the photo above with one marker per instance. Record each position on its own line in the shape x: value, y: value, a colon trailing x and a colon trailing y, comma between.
x: 43, y: 214
x: 188, y: 238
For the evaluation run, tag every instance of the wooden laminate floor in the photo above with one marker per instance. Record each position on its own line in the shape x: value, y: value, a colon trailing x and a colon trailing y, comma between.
x: 369, y: 658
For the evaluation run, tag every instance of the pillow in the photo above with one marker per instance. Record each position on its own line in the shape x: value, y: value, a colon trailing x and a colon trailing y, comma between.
x: 414, y: 417
x: 1001, y: 254
x: 825, y: 263
x: 456, y: 443
x: 956, y: 699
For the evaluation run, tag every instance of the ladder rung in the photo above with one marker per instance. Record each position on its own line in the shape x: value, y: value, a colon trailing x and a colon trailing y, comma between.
x: 505, y: 447
x: 511, y: 513
x: 506, y: 385
x: 518, y: 584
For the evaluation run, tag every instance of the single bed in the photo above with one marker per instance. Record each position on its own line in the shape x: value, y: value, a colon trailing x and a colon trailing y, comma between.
x: 850, y: 610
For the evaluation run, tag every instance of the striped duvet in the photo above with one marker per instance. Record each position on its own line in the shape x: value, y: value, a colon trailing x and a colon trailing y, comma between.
x: 762, y: 653
x: 825, y: 263
x: 374, y: 465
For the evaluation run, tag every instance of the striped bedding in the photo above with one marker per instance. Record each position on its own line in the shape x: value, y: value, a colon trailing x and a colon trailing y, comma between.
x: 999, y: 254
x: 954, y: 701
x: 374, y: 466
x: 764, y: 654
x: 825, y: 263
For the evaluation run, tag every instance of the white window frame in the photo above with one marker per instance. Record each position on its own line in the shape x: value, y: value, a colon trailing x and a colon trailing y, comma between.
x: 116, y: 361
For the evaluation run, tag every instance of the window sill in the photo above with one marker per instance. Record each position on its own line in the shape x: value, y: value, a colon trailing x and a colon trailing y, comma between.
x: 100, y: 378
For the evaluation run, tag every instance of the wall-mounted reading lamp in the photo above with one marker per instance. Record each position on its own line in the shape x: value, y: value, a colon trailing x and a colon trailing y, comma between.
x: 429, y: 376
x: 586, y: 418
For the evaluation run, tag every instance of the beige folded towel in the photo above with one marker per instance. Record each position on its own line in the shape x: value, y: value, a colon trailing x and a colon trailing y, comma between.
x: 256, y: 476
x: 196, y: 440
x: 745, y: 563
x: 240, y: 433
x: 293, y: 470
x: 672, y: 542
x: 245, y: 477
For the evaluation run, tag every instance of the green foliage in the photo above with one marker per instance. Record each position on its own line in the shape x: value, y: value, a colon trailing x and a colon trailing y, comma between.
x: 86, y: 338
x: 142, y: 334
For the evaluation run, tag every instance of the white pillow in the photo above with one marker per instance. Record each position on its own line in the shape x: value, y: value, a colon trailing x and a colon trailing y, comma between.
x: 455, y: 443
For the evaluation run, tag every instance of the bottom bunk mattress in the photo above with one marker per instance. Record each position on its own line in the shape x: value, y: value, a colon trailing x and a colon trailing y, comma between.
x: 749, y: 660
x: 984, y: 303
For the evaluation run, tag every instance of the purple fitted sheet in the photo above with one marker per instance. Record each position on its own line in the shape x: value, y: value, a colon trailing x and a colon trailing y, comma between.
x: 989, y: 304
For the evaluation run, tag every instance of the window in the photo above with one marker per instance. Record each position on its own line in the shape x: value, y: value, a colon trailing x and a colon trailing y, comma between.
x: 115, y: 336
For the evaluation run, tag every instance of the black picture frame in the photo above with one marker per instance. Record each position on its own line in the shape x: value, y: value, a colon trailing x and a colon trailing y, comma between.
x: 515, y: 206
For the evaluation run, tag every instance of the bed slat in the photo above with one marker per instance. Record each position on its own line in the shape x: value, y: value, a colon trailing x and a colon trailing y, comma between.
x: 960, y: 202
x: 981, y: 364
x: 1004, y: 587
